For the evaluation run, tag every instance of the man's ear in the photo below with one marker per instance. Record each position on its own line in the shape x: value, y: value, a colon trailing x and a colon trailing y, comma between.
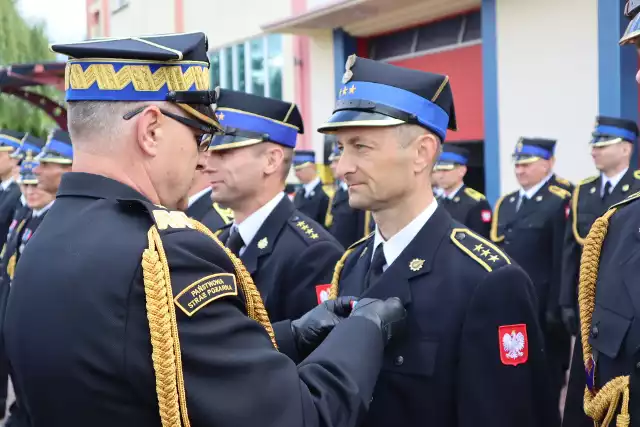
x: 274, y: 156
x: 148, y: 130
x: 428, y: 149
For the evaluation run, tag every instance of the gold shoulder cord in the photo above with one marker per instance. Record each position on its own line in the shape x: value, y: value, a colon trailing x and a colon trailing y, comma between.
x: 328, y: 218
x: 574, y: 216
x: 333, y: 291
x: 494, y: 223
x: 163, y: 326
x: 601, y: 405
x: 367, y: 223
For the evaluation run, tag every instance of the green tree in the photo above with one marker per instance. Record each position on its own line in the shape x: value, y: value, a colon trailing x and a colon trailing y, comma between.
x: 21, y: 43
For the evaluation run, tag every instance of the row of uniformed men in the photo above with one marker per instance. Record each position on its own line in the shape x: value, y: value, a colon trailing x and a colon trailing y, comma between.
x: 30, y: 174
x: 465, y: 347
x: 543, y: 226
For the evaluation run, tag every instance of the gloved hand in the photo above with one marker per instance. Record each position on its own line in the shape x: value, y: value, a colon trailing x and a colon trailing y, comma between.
x: 387, y: 315
x: 312, y: 328
x: 570, y: 320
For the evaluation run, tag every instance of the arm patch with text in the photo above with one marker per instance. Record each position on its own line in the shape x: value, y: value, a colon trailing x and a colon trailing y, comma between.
x: 206, y: 290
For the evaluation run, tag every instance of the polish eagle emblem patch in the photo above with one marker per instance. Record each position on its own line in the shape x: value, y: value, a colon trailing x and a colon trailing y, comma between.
x: 514, y: 346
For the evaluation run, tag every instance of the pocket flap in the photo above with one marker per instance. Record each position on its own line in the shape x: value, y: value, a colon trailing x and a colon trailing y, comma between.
x: 608, y: 330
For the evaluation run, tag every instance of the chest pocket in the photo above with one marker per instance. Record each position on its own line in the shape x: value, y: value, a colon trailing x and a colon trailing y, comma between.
x: 413, y: 357
x: 608, y: 331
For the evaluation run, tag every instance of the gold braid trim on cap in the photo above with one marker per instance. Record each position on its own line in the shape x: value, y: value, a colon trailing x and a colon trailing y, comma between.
x: 253, y: 300
x: 601, y: 405
x: 493, y: 234
x: 163, y: 329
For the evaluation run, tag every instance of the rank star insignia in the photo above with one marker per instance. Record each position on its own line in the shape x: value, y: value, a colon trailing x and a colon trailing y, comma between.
x: 486, y: 253
x: 478, y: 247
x: 263, y: 243
x: 493, y: 258
x: 625, y: 188
x: 220, y: 116
x: 352, y: 89
x: 416, y: 264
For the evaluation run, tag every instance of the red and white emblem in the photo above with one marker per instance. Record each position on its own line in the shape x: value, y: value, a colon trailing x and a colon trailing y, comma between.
x: 566, y: 212
x: 322, y: 292
x: 486, y: 215
x: 514, y: 345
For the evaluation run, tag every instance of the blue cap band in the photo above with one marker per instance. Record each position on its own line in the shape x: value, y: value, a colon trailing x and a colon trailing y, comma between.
x: 278, y: 132
x: 131, y: 81
x: 534, y: 150
x: 428, y: 114
x: 9, y: 142
x: 448, y: 157
x: 60, y: 147
x: 299, y: 159
x: 28, y: 147
x: 616, y: 131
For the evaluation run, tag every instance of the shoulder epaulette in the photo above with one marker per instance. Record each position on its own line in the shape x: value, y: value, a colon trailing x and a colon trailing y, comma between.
x: 479, y: 249
x: 475, y: 195
x: 563, y: 181
x: 636, y: 174
x: 307, y: 231
x: 162, y: 216
x: 225, y: 213
x: 588, y: 180
x: 626, y: 201
x: 560, y: 192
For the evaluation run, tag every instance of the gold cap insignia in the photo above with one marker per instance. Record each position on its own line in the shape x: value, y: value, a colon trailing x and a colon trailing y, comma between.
x: 263, y: 243
x: 348, y: 74
x: 416, y: 264
x: 625, y: 187
x: 593, y: 190
x: 539, y: 199
x: 519, y: 146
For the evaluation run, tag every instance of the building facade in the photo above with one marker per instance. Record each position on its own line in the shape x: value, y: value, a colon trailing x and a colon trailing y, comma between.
x: 517, y: 68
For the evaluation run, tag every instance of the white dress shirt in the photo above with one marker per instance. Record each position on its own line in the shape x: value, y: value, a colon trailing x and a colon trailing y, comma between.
x: 39, y: 212
x: 397, y: 243
x: 614, y: 180
x: 6, y: 183
x: 198, y: 196
x: 251, y: 225
x: 310, y: 187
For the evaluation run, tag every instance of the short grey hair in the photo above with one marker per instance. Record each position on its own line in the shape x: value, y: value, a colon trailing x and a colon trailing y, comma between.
x: 90, y: 119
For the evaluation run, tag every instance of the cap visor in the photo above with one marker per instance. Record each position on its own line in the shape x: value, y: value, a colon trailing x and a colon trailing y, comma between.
x: 605, y: 141
x: 227, y: 142
x: 522, y: 160
x: 353, y: 118
x: 207, y: 118
x: 444, y: 166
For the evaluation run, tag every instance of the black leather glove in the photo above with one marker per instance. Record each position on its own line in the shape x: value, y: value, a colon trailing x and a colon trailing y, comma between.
x: 387, y: 315
x: 570, y: 320
x: 312, y: 328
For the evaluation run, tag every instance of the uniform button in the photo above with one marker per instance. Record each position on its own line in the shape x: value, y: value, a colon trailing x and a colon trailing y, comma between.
x: 638, y: 366
x: 509, y: 230
x: 398, y: 361
x: 296, y: 218
x: 594, y: 332
x: 460, y: 236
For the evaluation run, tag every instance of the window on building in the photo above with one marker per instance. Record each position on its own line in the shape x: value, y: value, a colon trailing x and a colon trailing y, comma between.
x: 447, y: 33
x: 254, y: 66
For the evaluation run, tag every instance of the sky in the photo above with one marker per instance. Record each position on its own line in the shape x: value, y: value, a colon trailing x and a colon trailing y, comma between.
x: 65, y: 19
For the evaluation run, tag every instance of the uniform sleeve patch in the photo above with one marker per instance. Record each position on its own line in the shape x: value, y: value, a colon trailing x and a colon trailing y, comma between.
x: 204, y: 291
x: 514, y: 344
x: 322, y: 292
x: 485, y: 215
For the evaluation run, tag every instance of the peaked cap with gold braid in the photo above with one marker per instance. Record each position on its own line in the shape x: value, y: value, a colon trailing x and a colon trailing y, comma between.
x: 171, y: 67
x: 601, y: 405
x: 161, y: 312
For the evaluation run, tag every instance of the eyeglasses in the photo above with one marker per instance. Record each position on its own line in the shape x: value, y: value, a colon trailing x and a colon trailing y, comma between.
x: 202, y: 139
